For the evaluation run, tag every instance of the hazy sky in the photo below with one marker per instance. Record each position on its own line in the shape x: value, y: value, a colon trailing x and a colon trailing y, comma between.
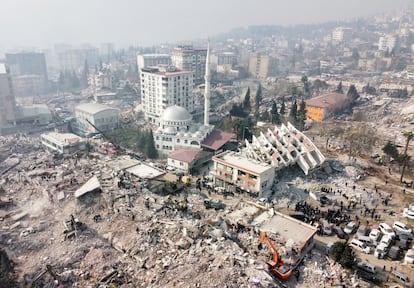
x: 144, y: 22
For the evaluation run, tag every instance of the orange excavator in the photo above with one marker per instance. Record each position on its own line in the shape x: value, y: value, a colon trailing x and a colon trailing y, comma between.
x: 276, y: 267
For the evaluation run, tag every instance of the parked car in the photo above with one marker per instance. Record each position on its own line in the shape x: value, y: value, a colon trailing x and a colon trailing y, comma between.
x: 402, y: 278
x: 358, y: 245
x: 402, y: 235
x: 368, y: 241
x: 339, y: 232
x: 325, y: 200
x: 401, y: 227
x: 326, y: 228
x: 362, y: 230
x: 351, y: 227
x: 409, y: 256
x: 386, y: 229
x: 408, y: 213
x: 380, y: 251
x: 366, y: 267
x: 394, y: 253
x: 299, y: 216
x: 387, y: 240
x: 375, y: 235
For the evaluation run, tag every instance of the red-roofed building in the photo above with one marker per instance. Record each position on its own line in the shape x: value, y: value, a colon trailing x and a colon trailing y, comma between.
x: 184, y: 158
x: 215, y: 141
x: 321, y: 107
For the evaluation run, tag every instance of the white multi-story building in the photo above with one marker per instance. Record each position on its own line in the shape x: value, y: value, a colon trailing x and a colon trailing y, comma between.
x: 62, y: 143
x: 388, y: 43
x: 103, y: 117
x: 341, y: 34
x: 7, y: 99
x: 191, y: 59
x: 150, y: 60
x: 164, y: 86
x: 236, y: 173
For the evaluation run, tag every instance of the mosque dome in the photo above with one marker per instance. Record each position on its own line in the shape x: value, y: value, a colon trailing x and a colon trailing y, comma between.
x: 176, y: 113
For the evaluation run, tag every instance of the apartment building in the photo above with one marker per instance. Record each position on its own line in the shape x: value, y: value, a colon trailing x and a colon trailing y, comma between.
x: 234, y: 172
x: 186, y: 57
x: 165, y: 86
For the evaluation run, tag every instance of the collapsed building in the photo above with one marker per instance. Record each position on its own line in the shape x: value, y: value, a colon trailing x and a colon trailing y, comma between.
x: 254, y: 168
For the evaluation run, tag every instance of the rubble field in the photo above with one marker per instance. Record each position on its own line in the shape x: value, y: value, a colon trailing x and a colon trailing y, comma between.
x: 129, y: 237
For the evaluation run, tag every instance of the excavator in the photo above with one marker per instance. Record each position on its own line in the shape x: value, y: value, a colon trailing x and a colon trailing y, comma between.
x: 276, y: 267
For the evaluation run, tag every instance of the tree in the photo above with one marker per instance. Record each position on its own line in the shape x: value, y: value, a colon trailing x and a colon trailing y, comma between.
x: 302, y: 114
x: 409, y: 136
x: 150, y: 149
x: 352, y: 94
x: 306, y: 85
x: 339, y: 89
x: 294, y: 112
x: 390, y: 150
x: 275, y: 116
x: 246, y: 101
x: 237, y: 110
x: 258, y: 98
x: 283, y: 107
x: 342, y: 253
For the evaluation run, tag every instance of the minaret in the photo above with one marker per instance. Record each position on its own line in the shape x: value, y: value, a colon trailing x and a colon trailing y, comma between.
x: 207, y: 79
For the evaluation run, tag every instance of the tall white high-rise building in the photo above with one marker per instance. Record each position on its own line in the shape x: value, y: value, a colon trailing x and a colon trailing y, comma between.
x: 7, y: 99
x: 165, y: 86
x: 193, y: 59
x: 149, y: 60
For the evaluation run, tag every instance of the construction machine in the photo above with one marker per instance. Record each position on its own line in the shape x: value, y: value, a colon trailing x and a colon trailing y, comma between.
x: 276, y: 266
x: 111, y: 147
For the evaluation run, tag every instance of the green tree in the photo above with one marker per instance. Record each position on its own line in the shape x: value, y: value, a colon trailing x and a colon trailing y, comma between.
x: 294, y: 112
x: 390, y: 150
x: 283, y: 107
x: 405, y: 157
x: 306, y: 85
x: 302, y: 114
x: 246, y: 101
x: 258, y: 98
x: 150, y: 149
x: 352, y: 94
x: 275, y: 116
x: 339, y: 89
x: 342, y: 253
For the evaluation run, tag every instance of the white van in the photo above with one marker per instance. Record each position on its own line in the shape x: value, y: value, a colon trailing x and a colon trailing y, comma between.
x: 360, y: 246
x: 387, y: 240
x: 367, y: 267
x: 381, y: 251
x: 367, y: 240
x: 402, y: 278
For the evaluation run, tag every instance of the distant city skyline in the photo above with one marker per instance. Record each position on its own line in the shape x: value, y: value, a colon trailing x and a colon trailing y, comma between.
x: 43, y: 23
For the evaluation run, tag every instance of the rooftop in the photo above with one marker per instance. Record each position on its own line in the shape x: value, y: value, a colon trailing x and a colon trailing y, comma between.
x: 288, y: 228
x: 93, y: 108
x: 326, y: 100
x: 62, y: 138
x: 166, y: 71
x: 145, y: 171
x: 216, y: 139
x: 184, y: 154
x: 233, y: 159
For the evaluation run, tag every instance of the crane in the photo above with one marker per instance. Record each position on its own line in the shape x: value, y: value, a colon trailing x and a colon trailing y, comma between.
x: 117, y: 147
